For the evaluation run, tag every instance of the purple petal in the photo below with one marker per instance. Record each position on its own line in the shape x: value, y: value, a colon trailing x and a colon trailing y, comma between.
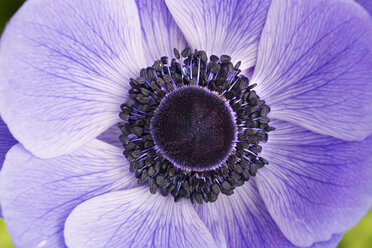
x: 222, y: 27
x: 111, y: 136
x: 160, y: 32
x: 37, y: 195
x: 367, y: 4
x: 332, y: 243
x: 6, y: 141
x: 64, y: 69
x: 314, y: 66
x: 135, y: 218
x: 315, y: 186
x: 242, y: 220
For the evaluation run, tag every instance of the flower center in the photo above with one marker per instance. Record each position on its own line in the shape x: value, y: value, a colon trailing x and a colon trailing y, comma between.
x: 193, y: 128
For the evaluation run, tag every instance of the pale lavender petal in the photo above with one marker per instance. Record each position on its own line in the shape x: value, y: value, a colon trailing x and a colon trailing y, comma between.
x: 37, y: 195
x: 111, y: 136
x: 160, y: 32
x: 332, y: 243
x: 135, y: 218
x: 315, y: 186
x: 242, y: 220
x: 314, y: 66
x: 6, y: 141
x: 229, y: 27
x: 64, y: 70
x: 367, y: 4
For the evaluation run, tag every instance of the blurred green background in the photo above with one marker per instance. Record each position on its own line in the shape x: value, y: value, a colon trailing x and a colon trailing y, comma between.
x: 358, y: 237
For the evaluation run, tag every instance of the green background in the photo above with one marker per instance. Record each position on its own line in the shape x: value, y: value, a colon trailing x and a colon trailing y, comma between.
x: 358, y: 237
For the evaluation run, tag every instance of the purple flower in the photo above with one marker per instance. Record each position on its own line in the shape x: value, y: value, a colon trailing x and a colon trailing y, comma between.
x: 66, y: 68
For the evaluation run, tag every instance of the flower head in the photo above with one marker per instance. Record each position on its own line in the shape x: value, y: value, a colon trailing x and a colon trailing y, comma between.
x: 202, y: 165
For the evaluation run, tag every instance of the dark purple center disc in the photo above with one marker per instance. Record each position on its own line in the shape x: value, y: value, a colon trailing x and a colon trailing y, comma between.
x: 194, y: 128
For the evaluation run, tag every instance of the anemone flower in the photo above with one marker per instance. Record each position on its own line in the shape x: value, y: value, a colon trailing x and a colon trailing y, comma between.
x: 244, y: 123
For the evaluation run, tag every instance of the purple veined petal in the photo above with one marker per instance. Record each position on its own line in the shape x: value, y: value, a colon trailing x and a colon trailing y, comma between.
x: 111, y: 136
x: 315, y: 185
x: 136, y: 218
x: 314, y: 66
x: 160, y: 32
x: 64, y: 69
x: 242, y: 220
x: 37, y: 194
x: 331, y: 243
x: 222, y: 27
x: 6, y: 141
x: 367, y: 4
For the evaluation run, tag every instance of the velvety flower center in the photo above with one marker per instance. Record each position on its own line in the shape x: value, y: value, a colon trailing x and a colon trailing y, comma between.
x: 193, y: 131
x: 194, y: 128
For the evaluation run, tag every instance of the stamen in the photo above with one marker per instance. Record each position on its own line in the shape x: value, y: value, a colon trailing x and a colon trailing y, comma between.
x: 193, y: 130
